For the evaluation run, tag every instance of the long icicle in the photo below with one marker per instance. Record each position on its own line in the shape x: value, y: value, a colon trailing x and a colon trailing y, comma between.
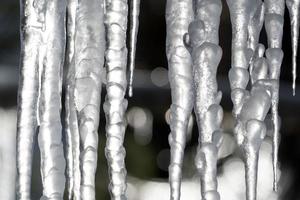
x: 31, y: 33
x: 203, y: 39
x: 50, y: 132
x: 133, y: 32
x: 274, y: 20
x: 294, y: 10
x: 69, y: 100
x: 115, y: 105
x: 89, y: 60
x: 250, y: 121
x: 178, y: 16
x: 250, y: 108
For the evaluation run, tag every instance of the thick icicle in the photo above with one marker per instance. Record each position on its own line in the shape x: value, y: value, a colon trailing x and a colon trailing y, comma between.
x: 133, y: 32
x: 31, y: 36
x: 115, y: 105
x: 203, y: 39
x: 178, y: 16
x: 70, y: 122
x: 89, y: 60
x: 250, y: 121
x: 274, y: 20
x: 294, y: 9
x: 50, y: 132
x: 250, y: 108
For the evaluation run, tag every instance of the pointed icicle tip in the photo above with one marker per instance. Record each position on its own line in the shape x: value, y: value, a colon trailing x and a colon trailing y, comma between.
x: 130, y: 93
x: 134, y: 25
x: 294, y: 74
x: 293, y: 7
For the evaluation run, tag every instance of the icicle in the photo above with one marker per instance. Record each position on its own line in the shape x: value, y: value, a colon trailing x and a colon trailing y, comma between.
x: 72, y: 126
x: 179, y: 13
x: 293, y: 7
x: 69, y: 100
x: 133, y: 32
x: 73, y: 143
x: 50, y: 131
x: 250, y: 108
x: 115, y: 105
x: 274, y: 58
x: 255, y: 26
x: 274, y: 27
x: 203, y: 39
x: 254, y: 29
x: 31, y: 34
x: 250, y: 122
x: 89, y: 60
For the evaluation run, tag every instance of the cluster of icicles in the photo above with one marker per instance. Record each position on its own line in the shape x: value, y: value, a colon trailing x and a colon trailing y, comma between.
x: 83, y: 44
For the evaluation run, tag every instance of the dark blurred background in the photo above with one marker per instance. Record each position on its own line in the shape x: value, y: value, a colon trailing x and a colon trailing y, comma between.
x: 146, y: 139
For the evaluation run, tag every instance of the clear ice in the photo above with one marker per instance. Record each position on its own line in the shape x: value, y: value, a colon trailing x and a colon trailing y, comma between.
x: 133, y: 32
x: 83, y: 45
x: 115, y: 104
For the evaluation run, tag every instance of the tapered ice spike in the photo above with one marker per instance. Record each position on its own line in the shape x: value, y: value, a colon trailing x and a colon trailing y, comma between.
x: 69, y: 100
x: 255, y: 132
x: 44, y: 26
x: 50, y: 131
x: 179, y: 13
x: 250, y: 108
x: 28, y: 93
x: 294, y: 9
x: 274, y: 58
x: 133, y: 32
x: 274, y: 27
x: 202, y: 40
x: 250, y: 123
x: 89, y: 60
x: 206, y: 163
x: 71, y: 122
x: 276, y: 141
x: 251, y: 173
x: 115, y: 105
x: 69, y: 146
